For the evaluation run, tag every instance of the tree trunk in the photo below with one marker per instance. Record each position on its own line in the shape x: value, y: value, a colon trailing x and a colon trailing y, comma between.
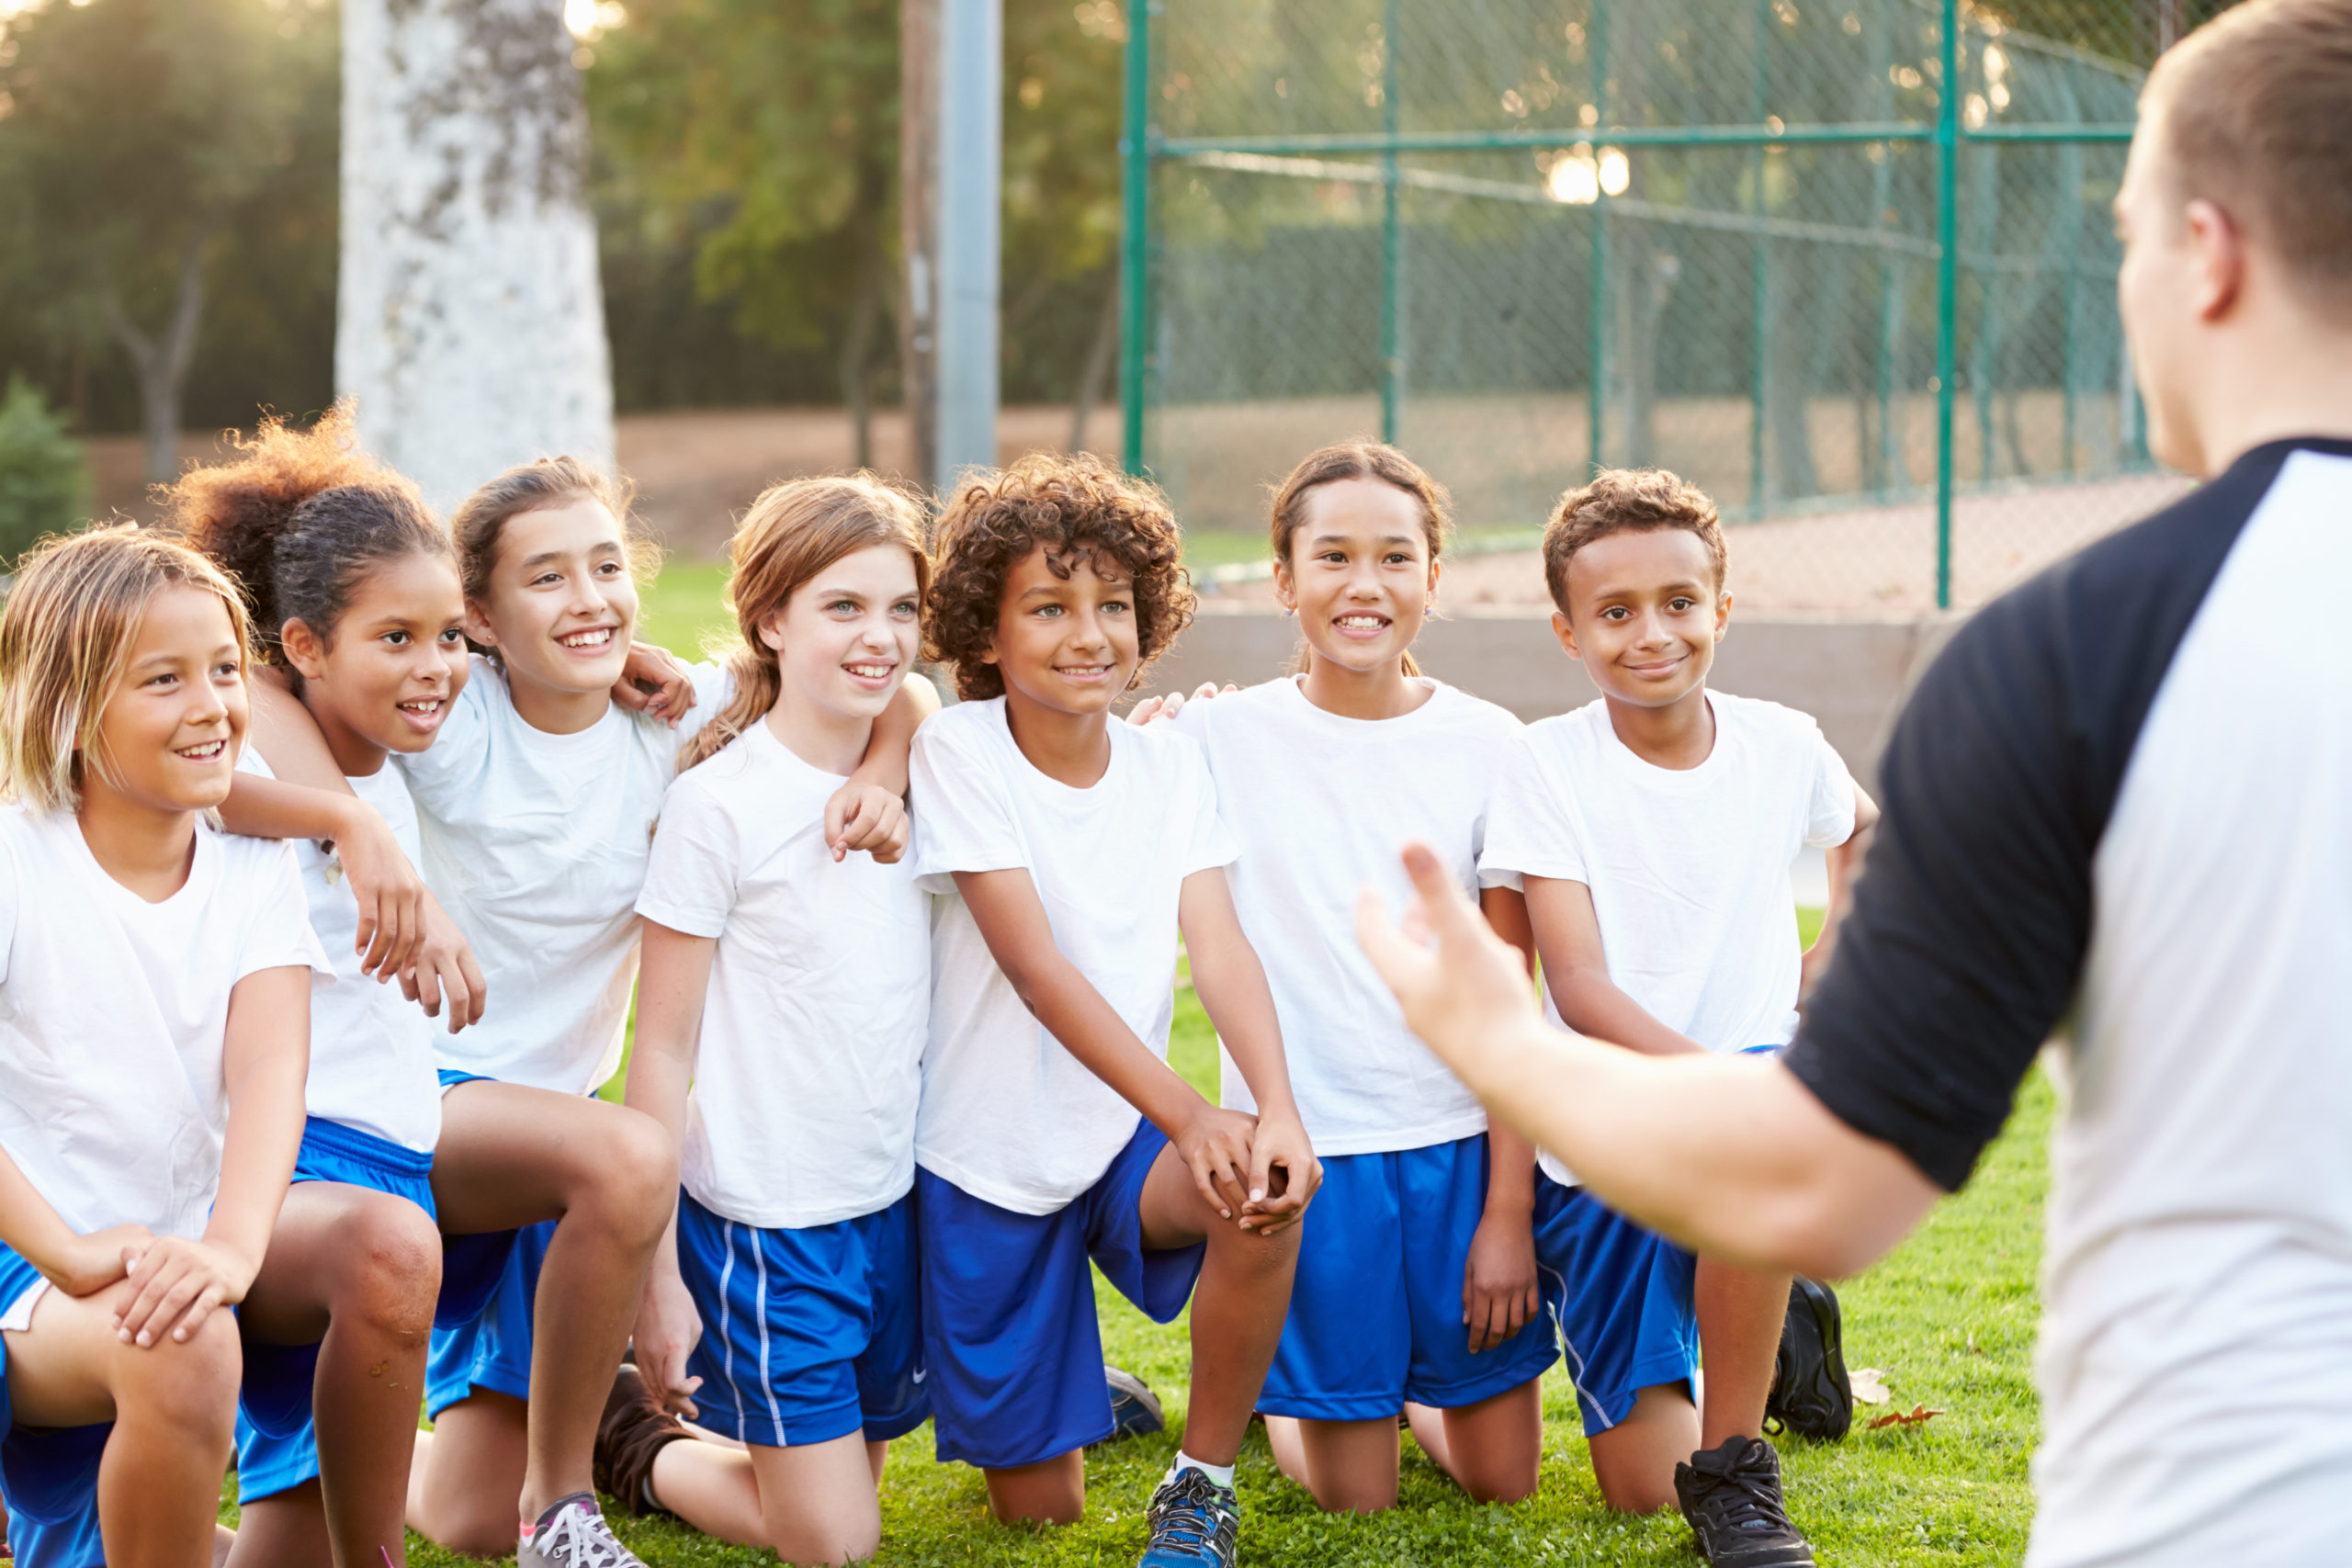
x: 469, y: 320
x: 1101, y: 354
x: 918, y: 233
x: 160, y: 364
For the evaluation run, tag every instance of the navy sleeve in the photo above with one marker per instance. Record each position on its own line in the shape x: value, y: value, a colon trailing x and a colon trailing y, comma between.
x: 1965, y: 945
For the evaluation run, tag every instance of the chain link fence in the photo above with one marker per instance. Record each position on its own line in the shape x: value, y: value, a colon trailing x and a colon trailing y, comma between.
x: 1753, y: 241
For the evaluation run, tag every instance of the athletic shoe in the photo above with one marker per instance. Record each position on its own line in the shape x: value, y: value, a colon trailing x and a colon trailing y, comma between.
x: 573, y: 1534
x: 1811, y: 1396
x: 634, y: 1428
x: 1731, y: 1495
x: 1193, y: 1522
x: 1135, y: 1409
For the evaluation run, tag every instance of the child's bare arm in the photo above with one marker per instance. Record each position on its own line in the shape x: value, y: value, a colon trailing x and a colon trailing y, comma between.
x: 1213, y: 1143
x: 35, y: 1232
x: 869, y: 812
x: 1844, y: 862
x: 264, y: 1056
x: 1283, y: 1171
x: 1568, y: 934
x: 672, y: 980
x: 1499, y: 1294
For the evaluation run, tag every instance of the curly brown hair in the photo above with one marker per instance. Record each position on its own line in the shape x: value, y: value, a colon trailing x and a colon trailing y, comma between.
x: 1072, y: 506
x: 1626, y: 501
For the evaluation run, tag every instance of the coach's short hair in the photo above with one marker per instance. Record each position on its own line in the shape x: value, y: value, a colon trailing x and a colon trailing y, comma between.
x: 1626, y: 501
x: 2255, y: 107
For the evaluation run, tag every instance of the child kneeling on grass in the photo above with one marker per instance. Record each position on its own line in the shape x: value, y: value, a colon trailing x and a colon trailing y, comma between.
x: 1068, y: 852
x: 1654, y: 829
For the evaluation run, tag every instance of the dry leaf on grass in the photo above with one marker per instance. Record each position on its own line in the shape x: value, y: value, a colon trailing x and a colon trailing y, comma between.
x: 1916, y: 1415
x: 1869, y: 1385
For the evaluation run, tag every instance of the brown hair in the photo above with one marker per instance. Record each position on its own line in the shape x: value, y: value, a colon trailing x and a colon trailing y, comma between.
x: 1626, y: 501
x: 793, y: 532
x: 1073, y: 506
x: 2256, y: 111
x: 549, y: 482
x: 300, y: 518
x: 66, y: 633
x: 1359, y: 460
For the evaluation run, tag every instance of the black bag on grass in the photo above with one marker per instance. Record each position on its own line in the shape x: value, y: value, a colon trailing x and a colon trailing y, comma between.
x: 1811, y: 1396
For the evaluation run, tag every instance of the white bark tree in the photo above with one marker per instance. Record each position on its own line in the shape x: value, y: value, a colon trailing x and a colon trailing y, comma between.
x: 471, y: 317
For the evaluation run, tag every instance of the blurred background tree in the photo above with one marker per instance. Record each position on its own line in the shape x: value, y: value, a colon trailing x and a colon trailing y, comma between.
x: 43, y: 487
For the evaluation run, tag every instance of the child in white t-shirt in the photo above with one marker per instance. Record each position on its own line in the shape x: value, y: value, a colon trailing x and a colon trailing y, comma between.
x: 1418, y: 1289
x: 781, y: 1018
x: 155, y: 1016
x: 1068, y: 854
x: 1654, y: 831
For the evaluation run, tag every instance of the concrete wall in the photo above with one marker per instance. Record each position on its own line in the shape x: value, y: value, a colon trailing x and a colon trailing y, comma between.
x: 1851, y: 675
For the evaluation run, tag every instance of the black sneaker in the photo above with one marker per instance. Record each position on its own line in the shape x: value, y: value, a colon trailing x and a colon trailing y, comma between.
x: 1135, y: 1409
x: 634, y: 1428
x: 1731, y: 1495
x: 1195, y: 1523
x: 1811, y: 1396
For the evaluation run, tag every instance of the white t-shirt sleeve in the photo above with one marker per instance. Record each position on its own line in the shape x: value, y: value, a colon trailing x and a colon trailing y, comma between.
x: 692, y: 876
x: 963, y: 809
x: 9, y: 897
x: 1530, y: 831
x: 1829, y: 812
x: 1210, y: 843
x: 279, y: 933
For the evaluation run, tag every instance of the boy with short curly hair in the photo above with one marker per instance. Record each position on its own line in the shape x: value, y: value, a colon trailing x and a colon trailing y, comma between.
x: 1069, y: 851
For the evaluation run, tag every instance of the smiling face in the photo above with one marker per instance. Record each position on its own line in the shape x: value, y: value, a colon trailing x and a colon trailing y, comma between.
x: 1359, y: 573
x: 1066, y: 644
x: 396, y: 660
x: 846, y: 637
x: 167, y: 738
x: 560, y: 607
x: 1644, y: 614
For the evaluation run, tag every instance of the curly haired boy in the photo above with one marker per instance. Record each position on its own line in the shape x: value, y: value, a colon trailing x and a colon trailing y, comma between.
x: 1072, y: 851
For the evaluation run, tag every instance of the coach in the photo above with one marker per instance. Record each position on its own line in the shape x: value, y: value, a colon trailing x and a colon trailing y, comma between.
x: 2118, y: 808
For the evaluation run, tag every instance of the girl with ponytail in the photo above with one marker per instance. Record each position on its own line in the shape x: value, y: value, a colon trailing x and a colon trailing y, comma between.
x: 782, y: 1013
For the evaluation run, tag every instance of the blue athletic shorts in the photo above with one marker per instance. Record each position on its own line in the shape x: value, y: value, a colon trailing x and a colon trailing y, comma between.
x: 1009, y: 1330
x: 1625, y: 1314
x: 808, y: 1335
x: 482, y: 1324
x: 278, y: 1449
x: 47, y: 1475
x: 1375, y: 1317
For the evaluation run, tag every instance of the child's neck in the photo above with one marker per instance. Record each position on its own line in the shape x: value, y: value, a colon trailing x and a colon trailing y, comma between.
x: 828, y: 740
x: 354, y: 753
x: 148, y: 851
x: 1679, y: 736
x: 1384, y: 691
x: 1072, y: 748
x: 554, y: 710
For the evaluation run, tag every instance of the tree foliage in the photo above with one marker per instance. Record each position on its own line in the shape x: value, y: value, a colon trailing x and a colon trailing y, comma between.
x: 43, y: 486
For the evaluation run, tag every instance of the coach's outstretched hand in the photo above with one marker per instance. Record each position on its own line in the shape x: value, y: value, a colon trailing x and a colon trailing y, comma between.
x: 1468, y: 995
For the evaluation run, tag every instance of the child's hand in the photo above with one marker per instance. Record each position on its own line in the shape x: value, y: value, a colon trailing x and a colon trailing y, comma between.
x: 180, y: 1283
x: 388, y: 890
x: 444, y: 967
x: 1172, y: 703
x: 1283, y: 1176
x: 91, y: 1262
x: 655, y: 683
x: 1499, y: 1293
x: 1214, y: 1147
x: 668, y: 1328
x: 867, y: 817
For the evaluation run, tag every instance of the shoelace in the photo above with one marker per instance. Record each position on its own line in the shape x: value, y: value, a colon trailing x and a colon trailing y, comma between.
x: 1743, y: 1499
x: 578, y: 1537
x: 1192, y: 1511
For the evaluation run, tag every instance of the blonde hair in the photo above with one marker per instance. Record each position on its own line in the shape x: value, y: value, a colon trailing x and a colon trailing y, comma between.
x: 793, y: 531
x: 65, y: 636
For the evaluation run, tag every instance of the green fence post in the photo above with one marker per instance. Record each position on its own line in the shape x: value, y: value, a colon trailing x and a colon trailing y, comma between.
x: 1134, y: 233
x: 1760, y: 277
x: 1392, y: 363
x: 1947, y: 286
x: 1596, y: 398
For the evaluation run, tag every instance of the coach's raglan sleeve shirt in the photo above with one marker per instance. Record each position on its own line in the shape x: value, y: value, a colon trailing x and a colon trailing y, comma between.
x: 2123, y: 796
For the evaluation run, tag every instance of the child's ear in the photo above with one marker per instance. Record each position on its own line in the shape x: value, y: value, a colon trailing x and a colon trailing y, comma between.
x: 478, y: 625
x: 1723, y: 614
x: 771, y: 634
x: 305, y: 650
x: 1286, y: 588
x: 1568, y: 635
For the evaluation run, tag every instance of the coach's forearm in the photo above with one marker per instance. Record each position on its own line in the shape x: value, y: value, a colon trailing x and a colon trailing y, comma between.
x: 1729, y: 1155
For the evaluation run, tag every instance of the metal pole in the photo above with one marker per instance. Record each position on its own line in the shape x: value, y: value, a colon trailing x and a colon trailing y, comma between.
x: 1596, y: 399
x: 971, y: 81
x: 1392, y: 260
x: 1135, y: 234
x: 1761, y: 269
x: 1947, y: 286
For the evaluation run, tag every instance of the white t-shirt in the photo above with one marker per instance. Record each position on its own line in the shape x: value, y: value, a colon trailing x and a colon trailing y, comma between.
x: 809, y: 1061
x: 371, y: 1048
x: 1689, y: 868
x: 1320, y: 806
x: 113, y: 1013
x: 1008, y: 1114
x: 536, y: 845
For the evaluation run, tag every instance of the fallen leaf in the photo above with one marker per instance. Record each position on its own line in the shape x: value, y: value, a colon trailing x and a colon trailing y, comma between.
x: 1916, y: 1415
x: 1869, y: 1385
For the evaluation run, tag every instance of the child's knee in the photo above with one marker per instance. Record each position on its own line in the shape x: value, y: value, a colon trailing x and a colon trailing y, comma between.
x: 188, y: 1386
x: 391, y: 1269
x: 635, y: 1172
